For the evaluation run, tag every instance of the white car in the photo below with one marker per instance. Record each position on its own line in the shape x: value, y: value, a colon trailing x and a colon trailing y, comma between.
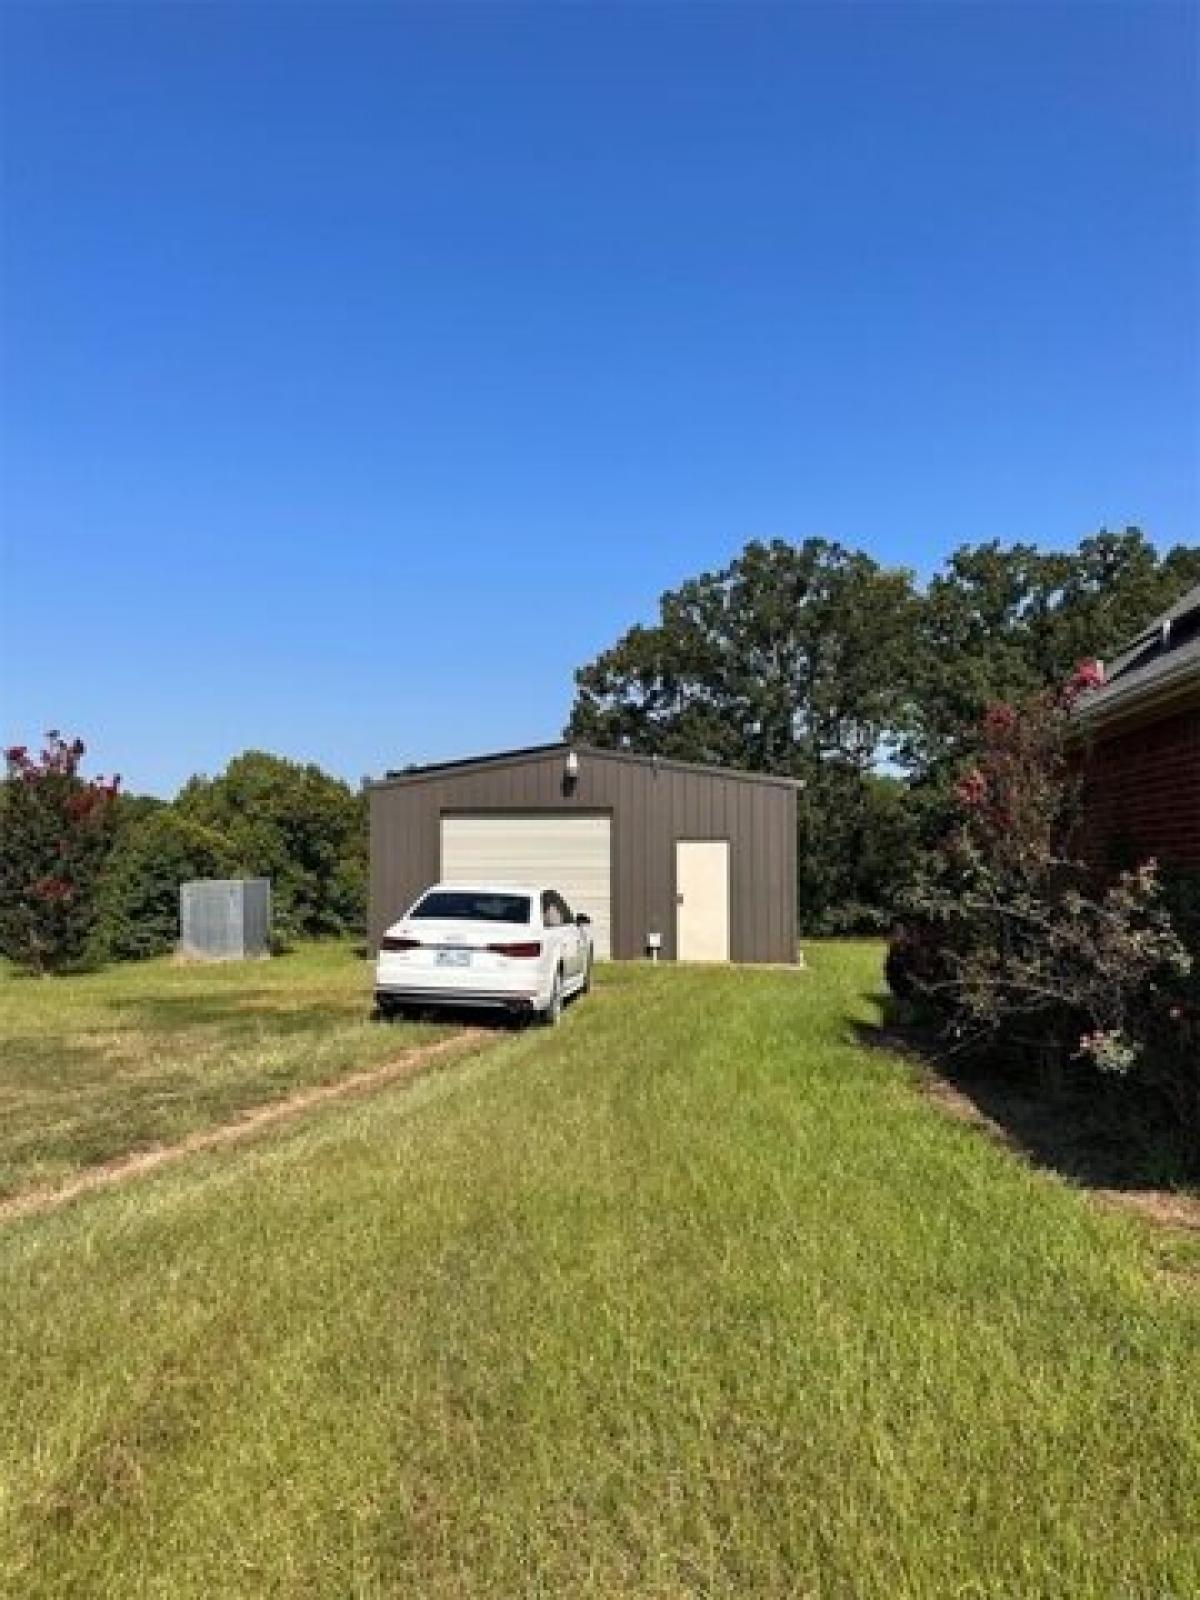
x: 517, y: 947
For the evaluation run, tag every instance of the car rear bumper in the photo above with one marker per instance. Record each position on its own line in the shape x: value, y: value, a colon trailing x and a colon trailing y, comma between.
x: 473, y: 999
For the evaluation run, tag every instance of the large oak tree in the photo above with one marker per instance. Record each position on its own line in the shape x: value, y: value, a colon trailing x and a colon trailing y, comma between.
x: 793, y: 659
x: 818, y: 662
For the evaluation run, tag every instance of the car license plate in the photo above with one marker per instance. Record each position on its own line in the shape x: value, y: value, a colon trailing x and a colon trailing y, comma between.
x: 453, y: 958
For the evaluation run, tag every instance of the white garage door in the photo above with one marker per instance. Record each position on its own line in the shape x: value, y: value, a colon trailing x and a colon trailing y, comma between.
x: 570, y: 854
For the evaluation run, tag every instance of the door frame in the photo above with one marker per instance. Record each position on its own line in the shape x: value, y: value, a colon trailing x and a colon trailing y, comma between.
x: 703, y: 839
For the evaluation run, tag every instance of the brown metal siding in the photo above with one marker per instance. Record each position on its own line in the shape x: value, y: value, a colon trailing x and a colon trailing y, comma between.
x: 651, y: 808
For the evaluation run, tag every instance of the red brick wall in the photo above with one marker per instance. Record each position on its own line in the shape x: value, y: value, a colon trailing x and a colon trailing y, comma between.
x: 1142, y: 794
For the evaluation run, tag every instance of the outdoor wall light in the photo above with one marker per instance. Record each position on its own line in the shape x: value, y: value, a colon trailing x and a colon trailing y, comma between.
x: 571, y: 766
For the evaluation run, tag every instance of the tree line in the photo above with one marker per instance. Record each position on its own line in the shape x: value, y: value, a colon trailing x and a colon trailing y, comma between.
x: 91, y: 874
x: 810, y: 660
x: 818, y: 662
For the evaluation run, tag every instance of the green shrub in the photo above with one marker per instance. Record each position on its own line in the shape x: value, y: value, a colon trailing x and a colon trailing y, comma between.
x: 139, y: 897
x: 1171, y: 1066
x: 296, y: 825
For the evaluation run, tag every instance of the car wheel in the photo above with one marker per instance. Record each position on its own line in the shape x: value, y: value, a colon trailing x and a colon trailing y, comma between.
x: 552, y: 1015
x: 587, y: 976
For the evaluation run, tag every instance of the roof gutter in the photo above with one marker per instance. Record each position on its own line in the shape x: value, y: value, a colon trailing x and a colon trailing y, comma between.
x: 1121, y: 704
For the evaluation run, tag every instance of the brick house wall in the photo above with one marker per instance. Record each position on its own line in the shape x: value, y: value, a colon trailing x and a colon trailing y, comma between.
x: 1142, y: 793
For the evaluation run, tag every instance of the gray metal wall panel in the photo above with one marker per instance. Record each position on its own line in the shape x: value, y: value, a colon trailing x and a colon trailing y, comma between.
x: 651, y: 808
x: 256, y: 917
x: 225, y: 919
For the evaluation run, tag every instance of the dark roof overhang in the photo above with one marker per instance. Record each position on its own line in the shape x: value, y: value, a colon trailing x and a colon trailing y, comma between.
x: 1153, y: 675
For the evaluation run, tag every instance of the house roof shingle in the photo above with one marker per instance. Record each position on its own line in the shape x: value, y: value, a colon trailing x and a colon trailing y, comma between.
x: 1163, y: 658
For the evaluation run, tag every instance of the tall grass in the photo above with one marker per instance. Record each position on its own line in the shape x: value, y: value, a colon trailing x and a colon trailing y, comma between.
x: 96, y: 1066
x: 695, y: 1296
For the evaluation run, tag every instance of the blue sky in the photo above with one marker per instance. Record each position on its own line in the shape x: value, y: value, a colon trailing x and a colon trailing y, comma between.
x: 365, y: 370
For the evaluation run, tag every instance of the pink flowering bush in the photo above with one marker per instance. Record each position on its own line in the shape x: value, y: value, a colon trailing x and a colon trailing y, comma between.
x: 1010, y: 947
x: 57, y: 828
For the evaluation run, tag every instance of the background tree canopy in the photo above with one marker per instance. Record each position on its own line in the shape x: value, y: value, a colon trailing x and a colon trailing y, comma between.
x: 156, y: 850
x: 784, y: 659
x: 264, y: 816
x: 296, y: 825
x: 817, y: 662
x: 808, y: 660
x: 1001, y: 622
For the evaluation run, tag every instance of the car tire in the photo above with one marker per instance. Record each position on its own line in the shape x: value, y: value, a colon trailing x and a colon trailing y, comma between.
x: 586, y: 986
x: 552, y: 1015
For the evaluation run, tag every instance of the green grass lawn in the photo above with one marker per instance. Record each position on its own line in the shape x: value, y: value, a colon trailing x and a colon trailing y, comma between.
x: 95, y: 1067
x: 696, y: 1296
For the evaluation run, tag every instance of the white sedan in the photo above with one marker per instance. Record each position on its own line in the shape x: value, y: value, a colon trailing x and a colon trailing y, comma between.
x: 520, y: 948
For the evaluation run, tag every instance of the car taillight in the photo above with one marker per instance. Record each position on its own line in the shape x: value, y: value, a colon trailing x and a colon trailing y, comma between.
x: 527, y: 951
x: 390, y: 942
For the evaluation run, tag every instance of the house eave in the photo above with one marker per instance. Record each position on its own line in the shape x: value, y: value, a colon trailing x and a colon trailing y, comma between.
x: 1116, y: 711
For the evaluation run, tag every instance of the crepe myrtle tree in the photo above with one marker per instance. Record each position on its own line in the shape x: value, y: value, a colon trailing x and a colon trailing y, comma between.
x: 57, y: 829
x: 1010, y: 945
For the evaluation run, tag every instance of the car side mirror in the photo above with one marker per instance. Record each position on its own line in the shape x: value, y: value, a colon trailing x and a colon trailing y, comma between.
x: 583, y: 920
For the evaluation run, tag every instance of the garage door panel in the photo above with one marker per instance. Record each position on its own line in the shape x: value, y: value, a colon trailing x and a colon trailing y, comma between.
x: 570, y: 853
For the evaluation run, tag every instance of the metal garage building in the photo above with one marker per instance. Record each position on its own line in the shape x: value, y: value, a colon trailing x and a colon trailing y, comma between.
x: 703, y: 859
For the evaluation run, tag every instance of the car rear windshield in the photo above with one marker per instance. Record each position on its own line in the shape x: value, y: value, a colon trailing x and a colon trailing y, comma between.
x: 472, y: 905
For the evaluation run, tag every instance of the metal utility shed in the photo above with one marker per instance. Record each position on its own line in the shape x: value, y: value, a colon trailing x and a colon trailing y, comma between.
x: 703, y: 859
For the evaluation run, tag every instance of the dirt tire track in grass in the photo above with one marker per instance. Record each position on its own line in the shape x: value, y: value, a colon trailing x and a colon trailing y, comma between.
x: 125, y: 1168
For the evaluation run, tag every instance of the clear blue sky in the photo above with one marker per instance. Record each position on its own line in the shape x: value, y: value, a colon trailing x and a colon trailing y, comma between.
x: 367, y: 369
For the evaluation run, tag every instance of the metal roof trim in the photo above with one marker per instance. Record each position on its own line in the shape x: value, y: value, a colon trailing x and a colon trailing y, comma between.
x: 500, y: 758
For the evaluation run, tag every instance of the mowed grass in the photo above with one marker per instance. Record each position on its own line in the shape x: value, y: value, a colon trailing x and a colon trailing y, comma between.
x: 97, y: 1066
x: 695, y: 1296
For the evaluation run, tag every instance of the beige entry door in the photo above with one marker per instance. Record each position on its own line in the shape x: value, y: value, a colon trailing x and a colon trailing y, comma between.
x: 702, y: 899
